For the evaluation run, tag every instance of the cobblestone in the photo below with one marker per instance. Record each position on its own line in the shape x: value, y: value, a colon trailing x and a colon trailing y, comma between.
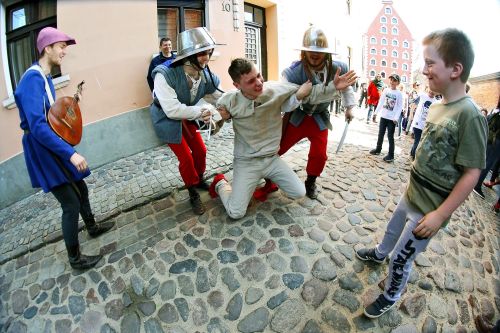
x: 288, y: 266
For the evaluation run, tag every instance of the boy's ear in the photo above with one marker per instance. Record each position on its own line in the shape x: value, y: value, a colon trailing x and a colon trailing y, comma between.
x: 236, y: 84
x: 457, y: 69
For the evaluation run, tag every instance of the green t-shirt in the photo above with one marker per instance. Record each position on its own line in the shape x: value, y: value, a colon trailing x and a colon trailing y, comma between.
x: 454, y: 138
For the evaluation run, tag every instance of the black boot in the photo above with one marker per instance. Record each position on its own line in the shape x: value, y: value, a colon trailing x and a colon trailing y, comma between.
x: 196, y: 204
x: 311, y: 189
x: 95, y: 229
x: 203, y: 185
x: 81, y: 261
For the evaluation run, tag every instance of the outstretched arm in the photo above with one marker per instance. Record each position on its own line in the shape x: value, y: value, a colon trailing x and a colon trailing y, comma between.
x: 322, y: 94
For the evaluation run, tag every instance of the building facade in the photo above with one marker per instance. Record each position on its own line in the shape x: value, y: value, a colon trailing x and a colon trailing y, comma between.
x: 388, y: 46
x: 115, y: 44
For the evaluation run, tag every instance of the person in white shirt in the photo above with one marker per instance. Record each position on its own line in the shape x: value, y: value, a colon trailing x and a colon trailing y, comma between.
x: 184, y: 95
x: 389, y: 107
x: 423, y: 101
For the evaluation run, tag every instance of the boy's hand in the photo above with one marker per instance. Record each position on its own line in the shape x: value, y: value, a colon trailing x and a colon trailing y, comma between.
x: 343, y: 81
x: 304, y: 90
x: 429, y: 225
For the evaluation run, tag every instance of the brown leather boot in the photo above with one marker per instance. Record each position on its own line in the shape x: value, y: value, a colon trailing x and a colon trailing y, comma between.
x: 81, y: 261
x: 196, y: 204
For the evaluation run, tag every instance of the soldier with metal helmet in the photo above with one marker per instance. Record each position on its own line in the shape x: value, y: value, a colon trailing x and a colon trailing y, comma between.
x: 312, y: 121
x: 186, y: 92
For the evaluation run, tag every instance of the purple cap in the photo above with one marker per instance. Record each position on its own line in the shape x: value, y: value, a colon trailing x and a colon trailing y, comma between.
x: 48, y: 36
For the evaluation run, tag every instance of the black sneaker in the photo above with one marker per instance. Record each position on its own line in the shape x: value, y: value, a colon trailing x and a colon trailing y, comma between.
x: 479, y: 193
x: 375, y: 152
x: 369, y: 255
x: 388, y: 159
x: 379, y: 307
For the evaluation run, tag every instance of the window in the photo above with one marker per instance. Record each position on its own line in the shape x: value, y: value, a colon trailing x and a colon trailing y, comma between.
x: 383, y: 52
x: 383, y: 63
x: 373, y: 51
x: 388, y: 10
x: 177, y: 16
x: 383, y: 29
x: 373, y: 62
x: 403, y: 78
x: 382, y: 74
x: 24, y: 21
x: 395, y: 31
x: 394, y: 20
x: 405, y: 67
x: 394, y: 64
x: 373, y: 40
x: 383, y: 19
x: 384, y: 41
x: 372, y: 73
x: 405, y: 55
x: 406, y: 44
x: 394, y: 53
x: 395, y: 42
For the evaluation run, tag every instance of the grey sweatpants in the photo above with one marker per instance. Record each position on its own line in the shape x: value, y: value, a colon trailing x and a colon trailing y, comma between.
x: 399, y: 239
x: 246, y: 175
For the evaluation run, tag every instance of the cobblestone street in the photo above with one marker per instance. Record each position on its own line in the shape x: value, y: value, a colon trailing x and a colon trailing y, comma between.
x: 287, y: 266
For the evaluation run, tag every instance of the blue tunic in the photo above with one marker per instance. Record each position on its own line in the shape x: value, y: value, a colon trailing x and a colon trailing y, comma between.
x: 32, y: 102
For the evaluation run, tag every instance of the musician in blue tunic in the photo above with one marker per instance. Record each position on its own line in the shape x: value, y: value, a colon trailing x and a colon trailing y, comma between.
x: 53, y: 164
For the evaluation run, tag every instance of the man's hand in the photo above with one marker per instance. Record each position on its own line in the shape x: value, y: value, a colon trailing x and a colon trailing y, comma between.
x: 223, y: 112
x: 304, y: 90
x: 348, y: 114
x: 205, y: 115
x: 343, y: 81
x: 79, y: 162
x: 429, y: 225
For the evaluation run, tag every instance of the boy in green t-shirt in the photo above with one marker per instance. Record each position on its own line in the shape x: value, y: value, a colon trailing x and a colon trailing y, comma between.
x: 447, y: 164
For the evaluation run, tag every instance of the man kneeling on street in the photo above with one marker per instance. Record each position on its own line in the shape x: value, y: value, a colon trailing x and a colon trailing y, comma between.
x: 255, y: 109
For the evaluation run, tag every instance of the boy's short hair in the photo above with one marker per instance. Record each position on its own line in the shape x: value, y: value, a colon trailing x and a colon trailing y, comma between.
x: 239, y: 67
x: 453, y: 46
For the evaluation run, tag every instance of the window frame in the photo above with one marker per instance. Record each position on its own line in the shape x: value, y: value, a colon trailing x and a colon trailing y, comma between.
x: 395, y: 54
x: 383, y: 29
x: 383, y: 52
x: 373, y: 40
x: 383, y: 63
x: 373, y: 51
x: 394, y: 20
x: 395, y: 29
x: 383, y: 19
x: 30, y: 31
x: 383, y: 41
x: 181, y: 7
x: 373, y: 62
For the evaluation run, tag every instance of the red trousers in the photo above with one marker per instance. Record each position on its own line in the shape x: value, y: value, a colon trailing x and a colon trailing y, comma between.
x: 191, y: 153
x: 317, y: 151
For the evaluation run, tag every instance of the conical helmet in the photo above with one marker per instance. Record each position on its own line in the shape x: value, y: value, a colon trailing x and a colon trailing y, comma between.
x: 315, y: 41
x: 192, y: 41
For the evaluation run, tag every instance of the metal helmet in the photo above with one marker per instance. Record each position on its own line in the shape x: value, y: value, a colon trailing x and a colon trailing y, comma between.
x: 315, y: 41
x: 192, y: 41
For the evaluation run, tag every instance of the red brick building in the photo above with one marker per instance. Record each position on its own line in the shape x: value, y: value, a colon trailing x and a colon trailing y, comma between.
x: 388, y: 45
